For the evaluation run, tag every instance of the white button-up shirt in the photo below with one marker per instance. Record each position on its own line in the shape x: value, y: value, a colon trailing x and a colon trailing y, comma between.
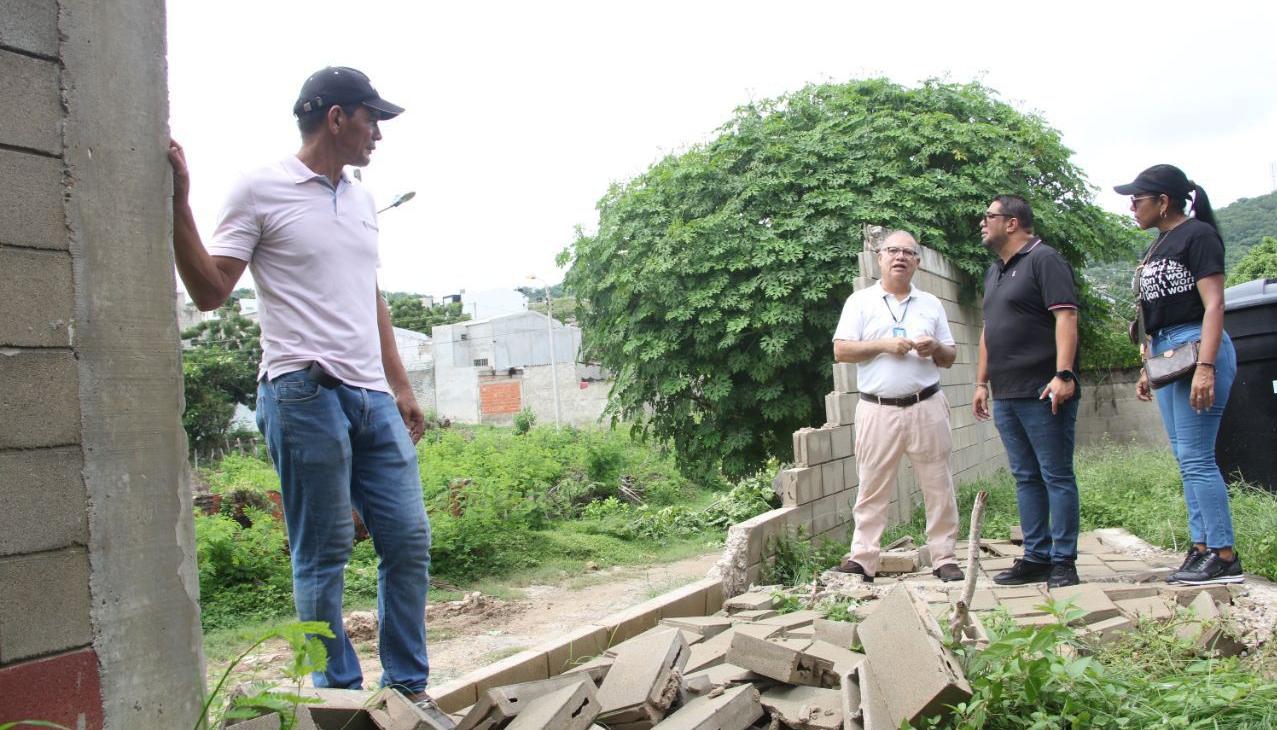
x: 874, y: 314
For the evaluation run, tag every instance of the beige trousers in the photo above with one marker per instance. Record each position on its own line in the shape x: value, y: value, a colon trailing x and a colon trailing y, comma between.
x: 883, y: 435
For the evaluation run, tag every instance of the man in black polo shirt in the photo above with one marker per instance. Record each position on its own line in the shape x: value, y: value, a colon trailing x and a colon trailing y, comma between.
x: 1028, y: 365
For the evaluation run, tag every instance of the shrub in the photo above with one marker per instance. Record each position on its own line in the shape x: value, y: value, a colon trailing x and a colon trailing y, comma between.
x: 523, y: 421
x: 244, y: 571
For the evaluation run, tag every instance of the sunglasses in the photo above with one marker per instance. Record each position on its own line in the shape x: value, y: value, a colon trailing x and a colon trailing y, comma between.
x: 1135, y: 199
x: 894, y: 251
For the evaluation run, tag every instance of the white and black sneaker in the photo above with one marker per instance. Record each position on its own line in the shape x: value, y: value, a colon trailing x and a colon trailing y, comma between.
x: 1213, y: 569
x: 1191, y: 561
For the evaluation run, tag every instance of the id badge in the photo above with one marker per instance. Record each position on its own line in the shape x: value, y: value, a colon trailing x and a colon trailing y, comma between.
x: 897, y: 331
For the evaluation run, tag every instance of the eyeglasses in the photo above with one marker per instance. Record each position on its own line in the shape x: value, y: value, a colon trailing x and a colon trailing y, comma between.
x: 1135, y: 199
x: 894, y: 251
x: 990, y: 216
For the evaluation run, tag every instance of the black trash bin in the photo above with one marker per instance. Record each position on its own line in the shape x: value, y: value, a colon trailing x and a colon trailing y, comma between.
x: 1247, y: 443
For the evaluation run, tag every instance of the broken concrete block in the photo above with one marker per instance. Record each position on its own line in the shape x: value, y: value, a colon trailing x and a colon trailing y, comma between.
x: 688, y: 636
x: 843, y: 659
x: 840, y: 408
x: 1030, y: 591
x: 801, y: 485
x: 597, y: 668
x: 1123, y: 591
x: 1018, y: 607
x: 917, y: 675
x: 704, y: 626
x: 792, y: 620
x: 1088, y: 597
x: 1208, y: 628
x: 1184, y: 594
x: 713, y: 651
x: 1017, y: 535
x: 645, y: 679
x: 498, y: 705
x: 845, y: 378
x: 340, y: 708
x: 735, y: 709
x: 812, y: 446
x: 898, y: 561
x: 721, y: 675
x: 1146, y: 608
x: 800, y: 632
x: 875, y: 714
x: 570, y: 708
x: 390, y: 710
x: 753, y: 601
x: 756, y: 615
x: 784, y: 660
x: 1108, y: 629
x: 839, y: 633
x: 805, y: 707
x: 843, y: 441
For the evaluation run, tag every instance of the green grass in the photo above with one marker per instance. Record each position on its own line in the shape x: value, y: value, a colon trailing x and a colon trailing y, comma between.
x: 1132, y: 487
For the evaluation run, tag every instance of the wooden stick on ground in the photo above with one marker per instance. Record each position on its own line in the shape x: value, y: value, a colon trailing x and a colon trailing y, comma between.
x: 961, y: 619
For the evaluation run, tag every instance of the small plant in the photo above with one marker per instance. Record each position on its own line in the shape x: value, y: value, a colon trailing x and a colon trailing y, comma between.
x: 524, y: 420
x: 309, y: 655
x: 31, y: 723
x: 840, y: 609
x: 785, y: 602
x: 797, y: 561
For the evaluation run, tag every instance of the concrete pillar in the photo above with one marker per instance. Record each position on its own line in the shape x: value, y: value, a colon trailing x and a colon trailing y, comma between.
x: 99, y: 622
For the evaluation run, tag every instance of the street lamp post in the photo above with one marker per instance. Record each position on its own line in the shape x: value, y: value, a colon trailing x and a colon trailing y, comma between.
x: 554, y: 363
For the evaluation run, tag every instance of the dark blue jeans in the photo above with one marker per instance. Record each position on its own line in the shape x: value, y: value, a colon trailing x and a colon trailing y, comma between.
x: 337, y: 449
x: 1040, y: 451
x: 1192, y: 436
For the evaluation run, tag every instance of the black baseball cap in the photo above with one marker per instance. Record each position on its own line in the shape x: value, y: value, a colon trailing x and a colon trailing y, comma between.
x: 1167, y: 179
x: 341, y: 85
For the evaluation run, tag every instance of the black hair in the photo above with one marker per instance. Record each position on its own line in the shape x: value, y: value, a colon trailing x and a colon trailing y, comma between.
x: 1202, y: 209
x: 312, y: 122
x: 1018, y: 208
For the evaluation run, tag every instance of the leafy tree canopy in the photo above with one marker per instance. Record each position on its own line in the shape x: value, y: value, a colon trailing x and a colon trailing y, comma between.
x: 1260, y: 262
x: 716, y: 277
x: 1244, y: 222
x: 407, y: 312
x: 219, y: 370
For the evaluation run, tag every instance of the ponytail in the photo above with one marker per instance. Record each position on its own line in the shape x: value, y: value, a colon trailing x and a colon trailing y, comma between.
x: 1201, y: 206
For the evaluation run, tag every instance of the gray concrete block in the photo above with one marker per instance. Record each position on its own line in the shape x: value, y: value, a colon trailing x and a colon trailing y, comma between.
x: 735, y: 709
x: 705, y: 626
x: 30, y: 25
x: 391, y: 710
x: 637, y: 687
x: 752, y: 601
x: 784, y: 660
x: 824, y: 514
x: 36, y: 298
x: 831, y: 481
x: 32, y: 214
x: 33, y: 105
x: 720, y: 675
x: 840, y: 408
x: 839, y: 633
x: 812, y: 446
x: 850, y: 473
x: 713, y: 651
x: 39, y: 397
x: 917, y: 675
x: 1090, y: 598
x: 801, y: 485
x: 498, y: 705
x: 569, y: 708
x: 845, y: 378
x: 792, y: 620
x: 44, y: 605
x: 842, y: 440
x: 805, y: 707
x: 42, y: 487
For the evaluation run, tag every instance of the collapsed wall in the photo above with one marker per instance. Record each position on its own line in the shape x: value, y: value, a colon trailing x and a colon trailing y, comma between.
x: 98, y: 608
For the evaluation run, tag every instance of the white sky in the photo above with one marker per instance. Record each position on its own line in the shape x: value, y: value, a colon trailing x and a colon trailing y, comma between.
x: 519, y: 115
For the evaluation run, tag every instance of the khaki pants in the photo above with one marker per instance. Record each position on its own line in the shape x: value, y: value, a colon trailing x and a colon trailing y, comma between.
x: 883, y: 435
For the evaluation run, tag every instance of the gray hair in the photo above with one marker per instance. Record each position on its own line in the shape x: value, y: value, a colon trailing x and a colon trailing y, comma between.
x: 898, y: 234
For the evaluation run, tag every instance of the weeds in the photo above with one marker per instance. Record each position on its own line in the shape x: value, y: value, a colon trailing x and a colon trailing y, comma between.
x: 795, y: 560
x: 309, y: 655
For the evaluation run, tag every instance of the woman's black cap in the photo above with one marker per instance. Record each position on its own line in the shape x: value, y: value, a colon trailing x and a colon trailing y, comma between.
x: 1167, y: 179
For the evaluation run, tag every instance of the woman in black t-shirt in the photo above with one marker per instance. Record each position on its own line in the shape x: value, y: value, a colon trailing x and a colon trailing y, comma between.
x: 1181, y: 296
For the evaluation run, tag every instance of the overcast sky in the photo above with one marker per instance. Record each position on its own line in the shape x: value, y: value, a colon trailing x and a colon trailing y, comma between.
x: 519, y: 115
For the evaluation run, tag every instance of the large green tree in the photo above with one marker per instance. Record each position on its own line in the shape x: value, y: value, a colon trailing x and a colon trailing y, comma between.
x: 1260, y: 262
x: 219, y: 370
x: 716, y: 277
x: 408, y: 312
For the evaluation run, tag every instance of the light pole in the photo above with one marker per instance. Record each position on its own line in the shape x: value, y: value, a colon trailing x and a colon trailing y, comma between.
x: 549, y: 333
x: 399, y: 200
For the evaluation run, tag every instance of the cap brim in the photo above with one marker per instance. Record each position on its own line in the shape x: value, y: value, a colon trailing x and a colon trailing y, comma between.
x: 385, y: 108
x: 1128, y: 189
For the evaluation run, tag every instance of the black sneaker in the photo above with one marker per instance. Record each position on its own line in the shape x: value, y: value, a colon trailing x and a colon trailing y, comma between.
x: 1191, y: 561
x: 851, y: 566
x: 1022, y: 572
x: 1062, y: 575
x: 1213, y: 569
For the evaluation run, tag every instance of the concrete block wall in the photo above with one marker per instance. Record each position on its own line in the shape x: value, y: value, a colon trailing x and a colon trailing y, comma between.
x: 98, y: 590
x: 1110, y: 412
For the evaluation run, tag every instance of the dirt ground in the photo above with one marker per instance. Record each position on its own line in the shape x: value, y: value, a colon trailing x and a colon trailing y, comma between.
x: 478, y: 630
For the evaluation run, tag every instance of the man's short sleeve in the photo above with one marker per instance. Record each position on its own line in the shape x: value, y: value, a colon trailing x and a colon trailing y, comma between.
x: 239, y: 228
x: 1055, y: 281
x: 850, y: 326
x: 1205, y: 255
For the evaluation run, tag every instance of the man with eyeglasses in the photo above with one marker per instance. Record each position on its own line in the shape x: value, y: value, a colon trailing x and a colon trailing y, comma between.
x: 899, y: 338
x: 333, y: 399
x: 1028, y: 365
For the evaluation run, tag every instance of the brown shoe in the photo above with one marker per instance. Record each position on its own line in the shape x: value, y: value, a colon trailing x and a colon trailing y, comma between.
x: 430, y: 712
x: 851, y: 566
x: 949, y: 572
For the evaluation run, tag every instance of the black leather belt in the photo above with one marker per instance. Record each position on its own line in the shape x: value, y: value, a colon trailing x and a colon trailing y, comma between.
x: 904, y: 400
x: 319, y: 375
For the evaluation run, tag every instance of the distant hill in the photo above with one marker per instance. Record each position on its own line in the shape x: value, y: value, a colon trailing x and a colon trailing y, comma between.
x: 1244, y: 223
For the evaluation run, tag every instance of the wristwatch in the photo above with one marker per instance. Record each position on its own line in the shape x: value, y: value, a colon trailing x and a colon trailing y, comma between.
x: 1065, y: 375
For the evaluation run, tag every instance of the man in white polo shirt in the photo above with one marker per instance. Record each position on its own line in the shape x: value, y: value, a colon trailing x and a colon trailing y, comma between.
x: 333, y: 399
x: 899, y: 338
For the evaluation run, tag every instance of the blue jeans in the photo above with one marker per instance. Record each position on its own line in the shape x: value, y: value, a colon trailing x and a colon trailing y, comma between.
x: 1192, y: 437
x: 1040, y: 451
x: 338, y: 449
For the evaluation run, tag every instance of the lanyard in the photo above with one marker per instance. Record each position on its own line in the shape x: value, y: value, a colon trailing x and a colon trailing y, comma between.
x: 903, y: 313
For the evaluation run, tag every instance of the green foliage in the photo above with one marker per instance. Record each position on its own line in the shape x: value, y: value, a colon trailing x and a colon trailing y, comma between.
x: 308, y: 655
x: 407, y: 312
x: 1047, y: 677
x: 524, y: 420
x: 751, y: 496
x: 241, y: 473
x: 796, y: 560
x: 244, y: 571
x: 839, y: 609
x: 1260, y: 262
x: 784, y: 602
x: 716, y: 277
x: 219, y: 370
x: 1244, y: 223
